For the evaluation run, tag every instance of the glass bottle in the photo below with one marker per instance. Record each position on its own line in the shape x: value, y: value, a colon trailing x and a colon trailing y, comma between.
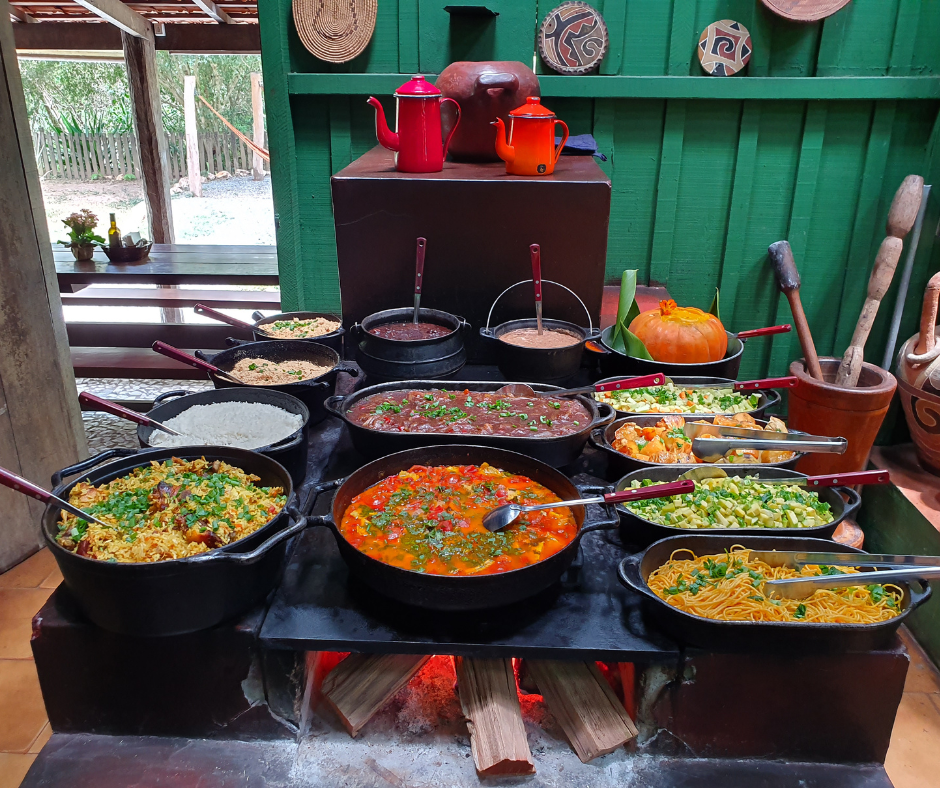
x: 114, y: 235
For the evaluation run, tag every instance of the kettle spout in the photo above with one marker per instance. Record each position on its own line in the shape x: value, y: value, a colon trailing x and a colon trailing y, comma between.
x: 387, y: 138
x: 506, y: 152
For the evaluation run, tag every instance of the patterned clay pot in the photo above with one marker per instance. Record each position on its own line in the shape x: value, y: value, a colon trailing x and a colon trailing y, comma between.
x: 82, y: 252
x: 919, y: 381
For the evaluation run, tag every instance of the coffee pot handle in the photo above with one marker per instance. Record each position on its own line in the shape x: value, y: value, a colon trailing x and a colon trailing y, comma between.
x: 564, y: 139
x: 456, y: 123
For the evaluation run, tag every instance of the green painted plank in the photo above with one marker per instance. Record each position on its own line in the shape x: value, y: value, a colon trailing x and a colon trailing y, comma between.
x: 662, y: 87
x: 408, y: 36
x: 682, y: 40
x: 645, y: 54
x: 862, y: 38
x: 667, y: 192
x: 804, y: 196
x: 905, y: 37
x: 615, y: 13
x: 868, y: 227
x: 340, y: 133
x: 605, y: 111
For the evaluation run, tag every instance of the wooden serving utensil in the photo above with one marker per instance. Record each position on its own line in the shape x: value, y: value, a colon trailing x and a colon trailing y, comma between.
x: 202, y: 309
x: 788, y: 280
x: 901, y: 218
x: 419, y: 274
x: 25, y: 487
x: 536, y: 253
x: 105, y: 405
x: 178, y: 355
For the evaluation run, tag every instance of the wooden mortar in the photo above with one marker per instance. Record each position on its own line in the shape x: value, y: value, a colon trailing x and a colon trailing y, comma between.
x: 823, y: 408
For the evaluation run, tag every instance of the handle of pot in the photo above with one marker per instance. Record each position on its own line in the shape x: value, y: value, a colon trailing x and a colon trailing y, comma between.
x: 251, y: 557
x: 920, y: 593
x: 502, y: 79
x: 234, y: 342
x: 592, y: 347
x: 607, y: 418
x: 256, y: 316
x: 611, y: 521
x: 170, y: 395
x: 628, y: 571
x: 355, y: 331
x: 928, y: 319
x: 347, y: 367
x: 334, y: 404
x: 596, y: 438
x: 853, y: 504
x: 91, y: 462
x: 456, y: 123
x: 464, y: 325
x: 489, y: 333
x: 287, y: 443
x: 564, y: 139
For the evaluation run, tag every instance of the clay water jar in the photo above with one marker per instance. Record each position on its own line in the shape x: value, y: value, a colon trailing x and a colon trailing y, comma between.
x: 823, y: 408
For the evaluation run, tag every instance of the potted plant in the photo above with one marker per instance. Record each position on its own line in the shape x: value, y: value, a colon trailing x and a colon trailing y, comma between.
x: 82, y: 238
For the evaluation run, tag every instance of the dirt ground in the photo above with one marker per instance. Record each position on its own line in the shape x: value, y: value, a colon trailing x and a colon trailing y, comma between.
x: 233, y: 211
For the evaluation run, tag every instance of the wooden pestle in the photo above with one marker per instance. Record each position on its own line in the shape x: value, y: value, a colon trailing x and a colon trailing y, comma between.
x: 901, y: 218
x: 788, y: 280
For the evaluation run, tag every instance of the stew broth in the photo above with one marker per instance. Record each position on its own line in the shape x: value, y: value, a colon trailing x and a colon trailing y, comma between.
x: 410, y: 331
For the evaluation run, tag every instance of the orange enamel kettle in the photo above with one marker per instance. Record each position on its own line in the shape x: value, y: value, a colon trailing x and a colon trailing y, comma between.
x: 531, y: 147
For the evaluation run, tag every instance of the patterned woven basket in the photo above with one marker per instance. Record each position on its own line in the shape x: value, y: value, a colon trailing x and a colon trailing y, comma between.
x: 335, y: 30
x: 805, y: 10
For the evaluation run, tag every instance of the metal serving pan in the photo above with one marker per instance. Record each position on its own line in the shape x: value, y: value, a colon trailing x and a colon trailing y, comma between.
x: 619, y: 464
x: 556, y: 451
x: 747, y: 635
x: 768, y: 399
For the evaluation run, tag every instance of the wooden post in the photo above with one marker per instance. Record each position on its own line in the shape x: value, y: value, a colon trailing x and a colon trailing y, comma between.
x: 192, y: 136
x: 40, y: 422
x: 257, y: 131
x: 140, y: 56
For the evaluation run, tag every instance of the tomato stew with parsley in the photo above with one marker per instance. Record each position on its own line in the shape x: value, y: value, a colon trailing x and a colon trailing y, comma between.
x: 469, y: 413
x: 430, y: 519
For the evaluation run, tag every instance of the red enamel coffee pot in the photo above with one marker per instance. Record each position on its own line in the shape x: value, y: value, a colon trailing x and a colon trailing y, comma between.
x: 417, y: 143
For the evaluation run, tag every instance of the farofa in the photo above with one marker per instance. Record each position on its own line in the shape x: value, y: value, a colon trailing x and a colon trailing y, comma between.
x: 175, y: 509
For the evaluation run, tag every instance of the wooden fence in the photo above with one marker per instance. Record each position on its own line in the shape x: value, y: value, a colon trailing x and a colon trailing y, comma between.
x: 85, y: 156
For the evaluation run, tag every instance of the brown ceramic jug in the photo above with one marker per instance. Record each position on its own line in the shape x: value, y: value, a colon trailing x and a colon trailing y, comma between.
x: 485, y: 90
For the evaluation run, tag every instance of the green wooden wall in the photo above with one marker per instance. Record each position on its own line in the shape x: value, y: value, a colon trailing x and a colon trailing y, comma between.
x: 706, y: 171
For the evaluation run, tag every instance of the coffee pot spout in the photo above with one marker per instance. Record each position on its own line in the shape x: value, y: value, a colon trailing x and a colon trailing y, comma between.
x: 505, y: 151
x: 387, y: 138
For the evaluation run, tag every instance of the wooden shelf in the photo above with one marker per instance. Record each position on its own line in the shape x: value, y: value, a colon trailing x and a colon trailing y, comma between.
x: 657, y: 87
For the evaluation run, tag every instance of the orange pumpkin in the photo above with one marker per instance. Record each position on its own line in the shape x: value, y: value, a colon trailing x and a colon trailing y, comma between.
x: 681, y: 334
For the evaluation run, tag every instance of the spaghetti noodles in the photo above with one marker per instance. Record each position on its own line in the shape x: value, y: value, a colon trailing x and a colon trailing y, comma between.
x: 729, y: 587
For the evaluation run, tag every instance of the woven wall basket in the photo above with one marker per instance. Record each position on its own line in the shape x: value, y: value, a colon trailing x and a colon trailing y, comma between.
x: 805, y: 10
x: 335, y: 30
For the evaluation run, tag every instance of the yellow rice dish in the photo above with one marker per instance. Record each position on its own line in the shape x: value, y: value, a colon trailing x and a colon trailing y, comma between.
x: 175, y: 509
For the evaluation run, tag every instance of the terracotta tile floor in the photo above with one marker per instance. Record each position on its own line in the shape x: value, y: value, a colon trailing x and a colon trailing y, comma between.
x: 913, y: 759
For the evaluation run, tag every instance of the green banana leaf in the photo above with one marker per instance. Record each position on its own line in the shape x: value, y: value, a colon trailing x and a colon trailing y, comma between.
x: 713, y: 309
x: 621, y: 338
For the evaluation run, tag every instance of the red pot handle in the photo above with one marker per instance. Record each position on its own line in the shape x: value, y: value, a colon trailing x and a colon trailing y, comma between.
x: 766, y: 383
x: 456, y: 123
x: 622, y: 384
x: 786, y: 328
x: 849, y: 479
x: 653, y: 491
x: 564, y: 139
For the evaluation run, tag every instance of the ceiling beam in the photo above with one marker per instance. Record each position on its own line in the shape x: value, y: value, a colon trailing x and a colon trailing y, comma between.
x: 119, y: 15
x: 19, y: 15
x: 194, y: 39
x: 213, y: 11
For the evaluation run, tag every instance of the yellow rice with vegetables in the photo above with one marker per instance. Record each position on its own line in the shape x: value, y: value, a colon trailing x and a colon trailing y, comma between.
x: 175, y: 509
x: 735, y: 502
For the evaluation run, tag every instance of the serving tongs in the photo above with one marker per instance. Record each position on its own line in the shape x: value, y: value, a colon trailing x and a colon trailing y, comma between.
x: 895, y: 568
x: 26, y: 487
x: 621, y: 384
x: 106, y: 406
x: 712, y: 442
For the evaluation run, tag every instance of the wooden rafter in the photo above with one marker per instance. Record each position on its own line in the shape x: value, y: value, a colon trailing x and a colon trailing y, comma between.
x: 213, y: 11
x: 19, y: 15
x: 119, y: 15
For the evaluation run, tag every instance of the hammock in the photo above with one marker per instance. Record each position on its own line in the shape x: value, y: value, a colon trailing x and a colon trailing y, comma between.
x: 262, y: 152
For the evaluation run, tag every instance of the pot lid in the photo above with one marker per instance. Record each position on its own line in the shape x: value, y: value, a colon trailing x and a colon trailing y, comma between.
x: 418, y: 87
x: 532, y: 109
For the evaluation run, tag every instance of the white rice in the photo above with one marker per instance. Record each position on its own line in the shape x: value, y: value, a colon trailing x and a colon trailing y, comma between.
x: 246, y: 425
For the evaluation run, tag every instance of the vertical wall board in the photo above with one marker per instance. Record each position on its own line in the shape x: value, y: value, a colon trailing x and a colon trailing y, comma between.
x: 667, y: 191
x: 408, y: 36
x: 340, y: 133
x: 926, y: 58
x: 906, y: 31
x: 614, y: 12
x: 605, y: 111
x: 794, y: 46
x: 645, y: 54
x: 866, y: 33
x: 446, y: 37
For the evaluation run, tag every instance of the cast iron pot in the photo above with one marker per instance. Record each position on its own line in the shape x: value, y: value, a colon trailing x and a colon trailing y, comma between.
x: 447, y: 592
x: 615, y: 363
x: 751, y: 635
x: 767, y: 399
x: 186, y: 594
x: 618, y: 464
x: 544, y: 365
x: 405, y: 359
x: 555, y: 451
x: 334, y: 339
x: 291, y: 451
x: 635, y: 530
x: 310, y: 392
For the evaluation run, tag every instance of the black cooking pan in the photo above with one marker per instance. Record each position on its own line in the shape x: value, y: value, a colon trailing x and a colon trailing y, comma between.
x: 334, y: 339
x: 186, y: 594
x: 618, y: 464
x: 556, y: 451
x: 311, y: 392
x: 445, y: 592
x: 637, y: 531
x: 747, y: 635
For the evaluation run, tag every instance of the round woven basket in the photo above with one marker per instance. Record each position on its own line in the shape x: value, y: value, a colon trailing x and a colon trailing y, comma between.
x: 805, y: 10
x: 335, y: 30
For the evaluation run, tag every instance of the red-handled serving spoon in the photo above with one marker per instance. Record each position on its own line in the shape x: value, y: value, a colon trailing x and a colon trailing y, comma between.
x: 25, y: 487
x: 836, y: 480
x: 502, y: 516
x: 105, y: 405
x: 178, y: 355
x: 621, y: 384
x: 786, y: 328
x: 746, y: 385
x: 215, y: 314
x: 419, y: 274
x: 536, y: 253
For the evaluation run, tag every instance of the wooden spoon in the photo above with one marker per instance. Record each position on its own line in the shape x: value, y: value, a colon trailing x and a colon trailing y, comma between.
x: 788, y: 280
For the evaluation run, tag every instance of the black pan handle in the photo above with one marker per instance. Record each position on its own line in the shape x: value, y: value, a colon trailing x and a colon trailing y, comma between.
x: 170, y: 395
x: 593, y: 335
x: 348, y: 367
x: 288, y: 442
x: 488, y: 333
x: 852, y: 505
x: 596, y: 438
x: 596, y: 348
x: 205, y: 356
x: 611, y: 521
x: 91, y: 462
x: 463, y: 324
x: 920, y: 593
x: 256, y: 316
x: 355, y: 331
x: 629, y: 573
x: 246, y: 559
x: 334, y: 405
x: 609, y: 418
x: 235, y: 342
